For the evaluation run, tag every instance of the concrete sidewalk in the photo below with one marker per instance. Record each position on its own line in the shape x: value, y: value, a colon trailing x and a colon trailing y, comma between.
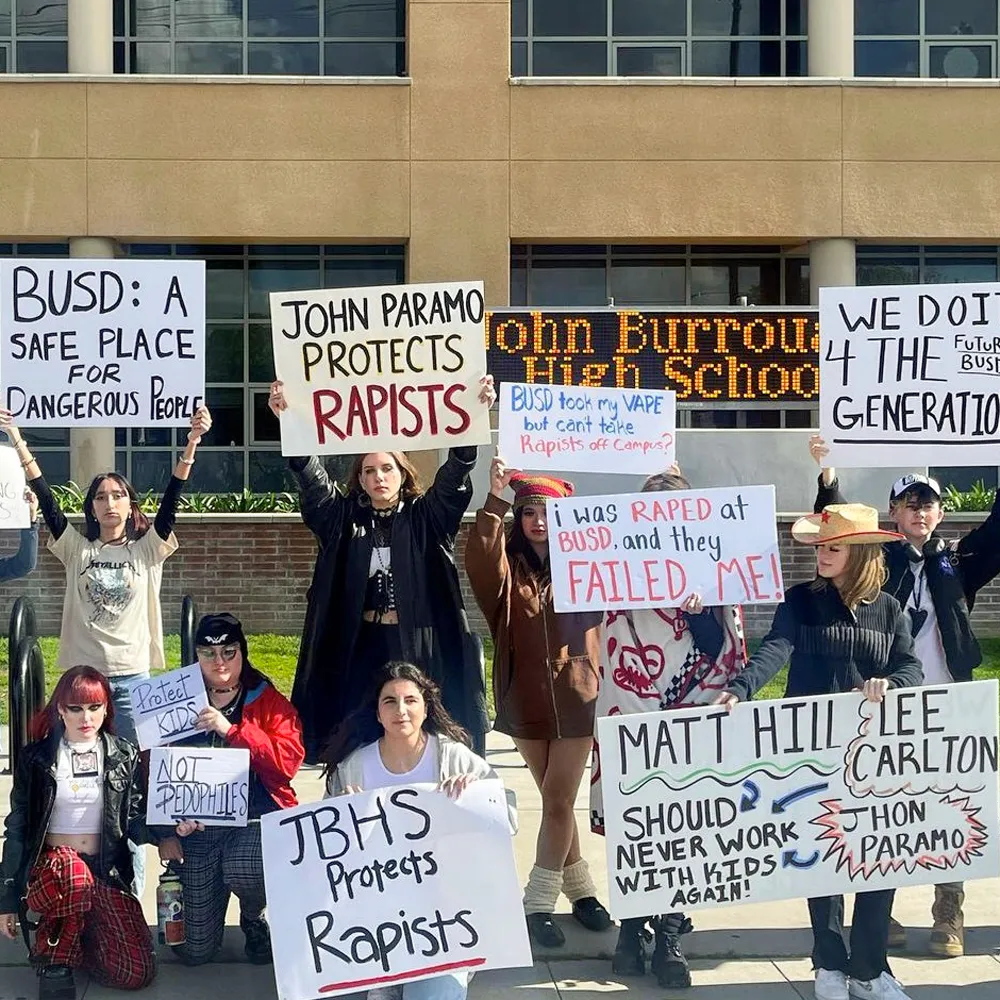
x: 749, y: 952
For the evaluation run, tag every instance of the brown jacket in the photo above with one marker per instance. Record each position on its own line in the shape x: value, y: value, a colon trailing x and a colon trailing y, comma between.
x: 544, y: 664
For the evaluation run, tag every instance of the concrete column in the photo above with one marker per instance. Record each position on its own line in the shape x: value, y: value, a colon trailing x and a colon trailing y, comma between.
x: 91, y: 36
x: 831, y: 38
x: 831, y: 262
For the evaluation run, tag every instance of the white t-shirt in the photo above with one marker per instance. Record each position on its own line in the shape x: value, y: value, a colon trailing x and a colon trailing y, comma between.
x: 376, y: 775
x: 111, y: 614
x: 79, y: 801
x: 927, y: 642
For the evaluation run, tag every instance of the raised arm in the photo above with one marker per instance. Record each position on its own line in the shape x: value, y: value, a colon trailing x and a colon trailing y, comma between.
x: 486, y: 551
x: 166, y: 515
x: 828, y: 491
x: 979, y: 554
x: 51, y: 511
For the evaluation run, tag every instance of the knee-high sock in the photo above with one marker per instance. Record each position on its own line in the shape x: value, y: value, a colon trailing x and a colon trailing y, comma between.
x: 542, y: 890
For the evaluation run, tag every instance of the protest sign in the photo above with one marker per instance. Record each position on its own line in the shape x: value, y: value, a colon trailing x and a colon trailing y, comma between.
x: 389, y: 887
x: 198, y: 783
x: 587, y: 430
x: 652, y: 550
x: 165, y: 706
x: 388, y: 368
x: 800, y: 797
x: 902, y: 374
x: 14, y: 511
x: 102, y: 343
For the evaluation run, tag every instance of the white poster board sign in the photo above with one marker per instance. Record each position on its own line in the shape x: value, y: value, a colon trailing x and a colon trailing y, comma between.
x: 389, y: 887
x: 102, y: 343
x: 906, y: 374
x: 198, y: 783
x: 389, y: 368
x: 165, y: 707
x: 800, y: 797
x: 14, y: 510
x: 652, y: 550
x: 576, y: 429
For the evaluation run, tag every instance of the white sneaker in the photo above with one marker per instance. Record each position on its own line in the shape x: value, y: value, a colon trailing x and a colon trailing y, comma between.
x: 883, y: 988
x: 831, y: 985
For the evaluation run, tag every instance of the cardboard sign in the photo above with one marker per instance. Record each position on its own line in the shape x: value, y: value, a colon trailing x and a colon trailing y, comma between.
x: 102, y: 343
x: 587, y: 430
x: 390, y: 368
x: 800, y: 797
x: 653, y: 550
x: 905, y: 374
x: 14, y: 509
x: 389, y: 887
x: 165, y: 707
x: 198, y: 783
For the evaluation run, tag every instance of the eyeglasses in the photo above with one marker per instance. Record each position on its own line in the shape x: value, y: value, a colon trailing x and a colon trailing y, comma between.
x: 210, y: 653
x: 114, y: 496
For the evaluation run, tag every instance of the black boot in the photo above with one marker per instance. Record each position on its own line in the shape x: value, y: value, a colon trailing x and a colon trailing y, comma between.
x: 258, y: 941
x: 543, y: 930
x: 669, y: 964
x: 630, y: 952
x: 55, y: 982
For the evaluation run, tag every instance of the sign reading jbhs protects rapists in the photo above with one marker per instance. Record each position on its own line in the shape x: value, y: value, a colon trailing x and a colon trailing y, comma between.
x: 910, y: 374
x: 389, y: 368
x: 102, y: 343
x: 802, y: 797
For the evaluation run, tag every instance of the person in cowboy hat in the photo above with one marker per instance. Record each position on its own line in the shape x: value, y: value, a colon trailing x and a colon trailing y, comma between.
x: 544, y: 684
x: 937, y: 581
x: 842, y: 632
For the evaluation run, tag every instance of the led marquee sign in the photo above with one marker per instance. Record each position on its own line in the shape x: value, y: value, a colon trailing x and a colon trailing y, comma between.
x: 730, y: 355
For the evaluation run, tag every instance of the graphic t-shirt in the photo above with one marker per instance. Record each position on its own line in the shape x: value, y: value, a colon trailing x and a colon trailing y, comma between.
x: 79, y: 800
x: 111, y: 615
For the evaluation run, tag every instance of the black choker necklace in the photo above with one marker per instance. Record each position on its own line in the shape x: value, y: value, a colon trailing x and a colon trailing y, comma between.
x: 228, y: 690
x: 385, y: 512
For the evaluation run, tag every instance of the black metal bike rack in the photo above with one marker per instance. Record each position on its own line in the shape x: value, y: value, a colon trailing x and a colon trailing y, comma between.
x: 25, y: 676
x: 189, y: 620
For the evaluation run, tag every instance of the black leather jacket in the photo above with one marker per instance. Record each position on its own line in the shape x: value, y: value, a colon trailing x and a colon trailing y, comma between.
x: 31, y: 803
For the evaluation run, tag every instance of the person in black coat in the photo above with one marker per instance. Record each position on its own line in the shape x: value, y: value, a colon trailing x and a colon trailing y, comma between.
x: 842, y: 633
x: 385, y: 586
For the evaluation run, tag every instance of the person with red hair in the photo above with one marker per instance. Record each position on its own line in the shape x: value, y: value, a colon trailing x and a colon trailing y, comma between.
x: 77, y: 798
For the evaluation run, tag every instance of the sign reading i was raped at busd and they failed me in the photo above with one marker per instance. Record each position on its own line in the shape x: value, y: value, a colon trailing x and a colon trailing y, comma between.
x: 587, y: 430
x: 813, y: 796
x: 910, y: 374
x: 165, y: 707
x: 198, y: 783
x: 388, y: 368
x: 652, y: 550
x: 102, y: 343
x: 389, y: 886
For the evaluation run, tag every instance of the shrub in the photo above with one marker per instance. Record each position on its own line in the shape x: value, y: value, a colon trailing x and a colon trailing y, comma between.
x: 70, y: 498
x: 979, y: 498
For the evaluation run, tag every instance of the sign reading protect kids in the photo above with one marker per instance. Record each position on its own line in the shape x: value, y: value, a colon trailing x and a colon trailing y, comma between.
x: 102, y: 343
x: 389, y: 368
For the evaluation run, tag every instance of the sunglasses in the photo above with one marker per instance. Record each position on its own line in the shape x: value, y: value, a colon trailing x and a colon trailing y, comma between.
x: 226, y: 653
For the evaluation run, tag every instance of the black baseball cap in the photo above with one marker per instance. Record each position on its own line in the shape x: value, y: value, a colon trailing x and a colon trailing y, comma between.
x: 220, y: 630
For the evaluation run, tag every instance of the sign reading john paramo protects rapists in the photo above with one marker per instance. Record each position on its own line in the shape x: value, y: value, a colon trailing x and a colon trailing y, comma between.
x: 801, y: 797
x: 390, y: 368
x: 102, y: 343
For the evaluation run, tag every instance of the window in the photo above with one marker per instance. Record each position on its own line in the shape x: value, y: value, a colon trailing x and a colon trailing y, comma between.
x: 926, y: 38
x: 910, y: 265
x: 658, y: 37
x: 33, y: 36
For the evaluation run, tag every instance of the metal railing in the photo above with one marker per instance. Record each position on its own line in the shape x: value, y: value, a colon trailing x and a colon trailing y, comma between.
x: 189, y: 620
x: 25, y: 676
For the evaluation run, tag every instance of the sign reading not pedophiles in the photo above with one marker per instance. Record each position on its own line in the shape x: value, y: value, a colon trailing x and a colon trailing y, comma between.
x: 653, y: 550
x: 102, y: 343
x: 390, y: 368
x: 14, y: 511
x: 198, y: 783
x: 389, y: 886
x: 800, y: 797
x: 587, y: 430
x: 909, y: 374
x: 165, y: 706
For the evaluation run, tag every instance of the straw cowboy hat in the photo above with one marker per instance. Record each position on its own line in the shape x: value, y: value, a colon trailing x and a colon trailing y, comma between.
x: 847, y: 523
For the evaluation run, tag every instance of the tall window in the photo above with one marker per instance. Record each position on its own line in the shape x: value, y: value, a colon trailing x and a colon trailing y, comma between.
x: 33, y: 36
x: 926, y: 38
x: 658, y: 37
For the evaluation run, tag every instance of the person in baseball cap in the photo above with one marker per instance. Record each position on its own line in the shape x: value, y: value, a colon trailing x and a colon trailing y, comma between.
x: 916, y: 487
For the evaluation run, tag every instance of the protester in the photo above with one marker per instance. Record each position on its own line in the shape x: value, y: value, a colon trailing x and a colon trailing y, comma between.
x: 937, y: 582
x: 385, y: 585
x: 652, y: 660
x: 23, y: 562
x: 842, y: 633
x: 77, y: 799
x: 244, y: 710
x: 544, y: 686
x: 403, y: 735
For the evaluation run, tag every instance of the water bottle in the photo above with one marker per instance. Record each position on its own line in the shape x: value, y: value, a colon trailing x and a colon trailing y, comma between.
x: 170, y: 908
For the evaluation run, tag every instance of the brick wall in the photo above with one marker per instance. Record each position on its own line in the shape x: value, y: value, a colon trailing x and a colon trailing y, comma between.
x: 259, y: 567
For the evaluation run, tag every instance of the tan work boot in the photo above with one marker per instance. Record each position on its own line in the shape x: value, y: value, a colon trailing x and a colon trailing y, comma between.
x: 948, y: 933
x: 897, y: 934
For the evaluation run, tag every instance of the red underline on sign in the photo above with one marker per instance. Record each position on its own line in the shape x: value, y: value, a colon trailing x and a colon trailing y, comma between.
x: 378, y: 980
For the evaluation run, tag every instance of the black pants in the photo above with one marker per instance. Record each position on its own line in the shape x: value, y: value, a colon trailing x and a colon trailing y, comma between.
x: 868, y: 957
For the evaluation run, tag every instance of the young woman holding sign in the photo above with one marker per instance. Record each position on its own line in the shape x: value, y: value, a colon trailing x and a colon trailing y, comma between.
x: 77, y: 800
x: 402, y: 735
x: 544, y: 685
x: 842, y: 632
x: 385, y: 585
x: 654, y: 660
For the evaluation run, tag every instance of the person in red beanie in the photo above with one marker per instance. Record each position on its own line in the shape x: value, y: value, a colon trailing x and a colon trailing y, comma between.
x: 544, y: 685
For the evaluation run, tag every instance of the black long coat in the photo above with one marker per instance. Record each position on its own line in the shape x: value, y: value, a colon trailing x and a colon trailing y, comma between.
x: 434, y: 629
